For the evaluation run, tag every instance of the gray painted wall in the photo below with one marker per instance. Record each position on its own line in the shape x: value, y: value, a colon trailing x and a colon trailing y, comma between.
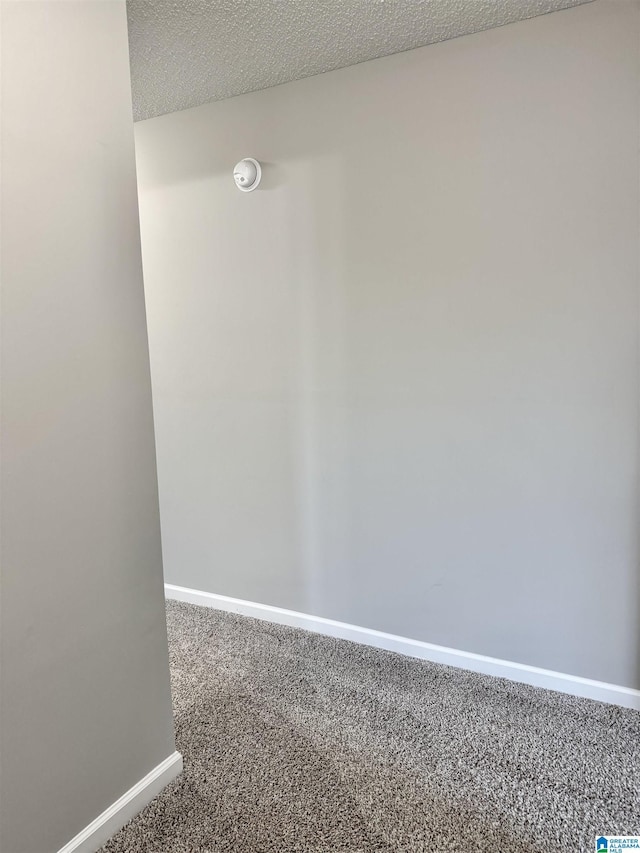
x: 398, y: 386
x: 85, y: 704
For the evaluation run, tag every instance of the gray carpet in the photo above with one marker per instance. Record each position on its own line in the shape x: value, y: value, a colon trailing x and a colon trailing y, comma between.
x: 297, y: 742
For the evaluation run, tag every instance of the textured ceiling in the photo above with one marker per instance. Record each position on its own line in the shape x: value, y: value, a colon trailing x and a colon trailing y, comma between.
x: 187, y: 52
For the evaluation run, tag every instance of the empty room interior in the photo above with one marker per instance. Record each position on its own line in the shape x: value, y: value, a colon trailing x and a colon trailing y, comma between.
x: 319, y: 426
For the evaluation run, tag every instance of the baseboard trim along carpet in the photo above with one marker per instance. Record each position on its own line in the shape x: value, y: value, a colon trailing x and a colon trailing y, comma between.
x: 133, y: 801
x: 575, y: 685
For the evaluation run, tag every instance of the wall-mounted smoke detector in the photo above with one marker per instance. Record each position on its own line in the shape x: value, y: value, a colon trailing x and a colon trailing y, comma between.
x: 247, y: 174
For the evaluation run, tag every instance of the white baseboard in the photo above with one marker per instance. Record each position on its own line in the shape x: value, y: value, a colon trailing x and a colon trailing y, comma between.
x: 575, y: 685
x: 99, y: 831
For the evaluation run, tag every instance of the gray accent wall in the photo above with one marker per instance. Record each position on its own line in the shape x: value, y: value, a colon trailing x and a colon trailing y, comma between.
x: 398, y: 385
x: 84, y: 682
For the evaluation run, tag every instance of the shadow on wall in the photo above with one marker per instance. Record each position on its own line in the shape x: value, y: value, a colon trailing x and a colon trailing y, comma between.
x: 273, y: 177
x: 317, y: 232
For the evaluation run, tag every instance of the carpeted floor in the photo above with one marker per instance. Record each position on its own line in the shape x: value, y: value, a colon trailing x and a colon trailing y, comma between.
x: 297, y: 742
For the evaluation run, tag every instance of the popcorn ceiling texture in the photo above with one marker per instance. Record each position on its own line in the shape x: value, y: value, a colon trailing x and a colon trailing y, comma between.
x: 187, y: 52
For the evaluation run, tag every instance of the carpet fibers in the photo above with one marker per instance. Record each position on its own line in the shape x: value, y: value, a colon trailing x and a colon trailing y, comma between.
x: 297, y: 742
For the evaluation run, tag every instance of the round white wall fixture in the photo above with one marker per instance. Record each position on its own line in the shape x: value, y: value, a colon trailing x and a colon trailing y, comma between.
x: 247, y: 174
